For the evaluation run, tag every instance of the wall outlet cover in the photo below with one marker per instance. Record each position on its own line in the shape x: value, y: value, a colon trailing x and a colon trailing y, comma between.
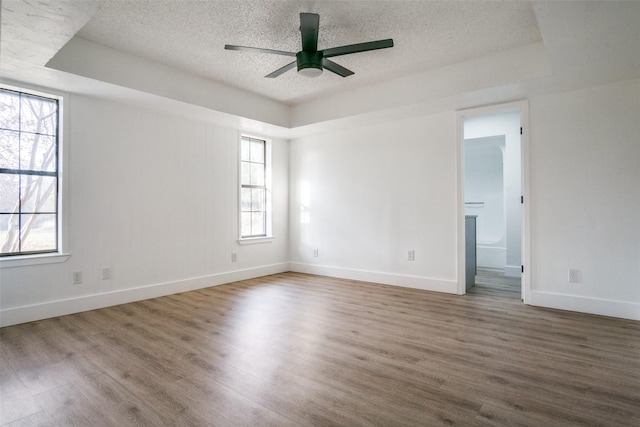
x: 77, y: 277
x: 575, y: 276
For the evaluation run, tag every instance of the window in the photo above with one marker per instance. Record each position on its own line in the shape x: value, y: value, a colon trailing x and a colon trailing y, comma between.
x: 255, y: 191
x: 29, y: 175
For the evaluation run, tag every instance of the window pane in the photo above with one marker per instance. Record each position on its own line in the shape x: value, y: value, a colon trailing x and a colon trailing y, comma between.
x: 253, y: 202
x: 257, y: 151
x: 246, y: 223
x: 38, y: 115
x: 38, y: 152
x: 245, y: 150
x: 9, y: 141
x: 28, y: 144
x: 38, y: 232
x: 257, y: 224
x: 257, y: 174
x: 7, y: 223
x: 257, y: 200
x: 10, y: 110
x: 245, y: 173
x: 9, y: 192
x: 245, y: 200
x: 38, y: 193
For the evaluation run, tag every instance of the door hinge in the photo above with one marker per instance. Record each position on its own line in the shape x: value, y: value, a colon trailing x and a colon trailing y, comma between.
x: 520, y: 131
x: 521, y: 199
x: 522, y: 268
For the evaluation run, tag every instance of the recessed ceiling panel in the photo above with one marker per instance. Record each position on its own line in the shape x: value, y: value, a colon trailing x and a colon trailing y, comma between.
x: 190, y: 36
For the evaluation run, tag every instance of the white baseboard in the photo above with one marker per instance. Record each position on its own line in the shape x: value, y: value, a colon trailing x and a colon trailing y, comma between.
x: 14, y: 316
x: 621, y: 309
x: 491, y: 256
x: 513, y: 270
x: 415, y: 282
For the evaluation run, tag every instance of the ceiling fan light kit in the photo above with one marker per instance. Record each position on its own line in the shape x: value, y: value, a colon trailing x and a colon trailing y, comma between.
x: 310, y: 61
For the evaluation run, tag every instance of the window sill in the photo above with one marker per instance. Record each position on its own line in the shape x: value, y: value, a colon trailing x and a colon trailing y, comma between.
x: 27, y: 260
x: 253, y: 240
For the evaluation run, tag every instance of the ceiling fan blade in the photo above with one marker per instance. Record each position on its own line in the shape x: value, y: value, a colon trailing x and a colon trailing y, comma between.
x: 282, y: 70
x: 258, y: 50
x: 336, y: 68
x: 309, y: 23
x: 359, y: 47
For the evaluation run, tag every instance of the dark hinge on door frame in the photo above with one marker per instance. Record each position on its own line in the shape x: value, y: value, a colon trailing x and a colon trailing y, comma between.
x: 520, y: 131
x: 522, y: 268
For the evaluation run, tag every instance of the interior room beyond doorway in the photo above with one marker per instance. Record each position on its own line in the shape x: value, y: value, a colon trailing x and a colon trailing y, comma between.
x: 493, y: 189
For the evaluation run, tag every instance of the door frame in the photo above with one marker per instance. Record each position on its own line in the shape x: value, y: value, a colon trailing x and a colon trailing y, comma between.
x: 523, y: 107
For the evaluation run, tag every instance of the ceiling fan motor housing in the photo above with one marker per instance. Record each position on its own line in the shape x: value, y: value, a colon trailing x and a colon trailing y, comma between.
x: 310, y: 62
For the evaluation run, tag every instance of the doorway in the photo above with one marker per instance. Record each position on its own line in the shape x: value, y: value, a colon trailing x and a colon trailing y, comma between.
x: 492, y: 150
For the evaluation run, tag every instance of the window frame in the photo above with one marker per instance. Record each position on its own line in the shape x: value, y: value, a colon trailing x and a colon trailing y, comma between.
x: 60, y: 254
x: 268, y: 236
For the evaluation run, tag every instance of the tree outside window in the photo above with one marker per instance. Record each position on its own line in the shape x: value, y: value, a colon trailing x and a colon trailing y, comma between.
x: 28, y: 173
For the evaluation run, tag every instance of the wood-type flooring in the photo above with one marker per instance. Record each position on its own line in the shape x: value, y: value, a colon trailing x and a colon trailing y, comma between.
x: 301, y: 350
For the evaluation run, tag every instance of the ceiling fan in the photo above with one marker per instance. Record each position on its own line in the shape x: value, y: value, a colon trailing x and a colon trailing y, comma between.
x: 311, y: 61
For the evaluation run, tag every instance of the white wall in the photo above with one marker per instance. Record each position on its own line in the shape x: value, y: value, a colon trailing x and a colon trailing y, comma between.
x: 154, y: 197
x: 484, y: 195
x: 366, y: 196
x: 585, y: 199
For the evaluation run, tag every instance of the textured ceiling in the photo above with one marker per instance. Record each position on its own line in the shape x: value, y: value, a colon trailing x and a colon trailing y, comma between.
x: 35, y: 31
x: 190, y: 36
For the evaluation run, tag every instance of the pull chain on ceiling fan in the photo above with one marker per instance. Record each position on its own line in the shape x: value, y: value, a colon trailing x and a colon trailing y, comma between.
x: 311, y: 61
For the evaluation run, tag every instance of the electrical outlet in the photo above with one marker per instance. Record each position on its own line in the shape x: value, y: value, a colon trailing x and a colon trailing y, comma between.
x: 77, y: 277
x: 315, y: 252
x: 234, y: 257
x: 106, y: 273
x: 575, y: 276
x: 412, y: 255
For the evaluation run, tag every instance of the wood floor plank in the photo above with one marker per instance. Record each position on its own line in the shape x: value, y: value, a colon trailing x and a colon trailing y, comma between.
x: 67, y: 406
x: 117, y: 406
x: 39, y: 419
x: 16, y: 402
x: 294, y: 349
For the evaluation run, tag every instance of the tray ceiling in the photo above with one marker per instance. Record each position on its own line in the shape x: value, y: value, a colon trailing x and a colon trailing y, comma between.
x: 448, y: 55
x: 190, y: 36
